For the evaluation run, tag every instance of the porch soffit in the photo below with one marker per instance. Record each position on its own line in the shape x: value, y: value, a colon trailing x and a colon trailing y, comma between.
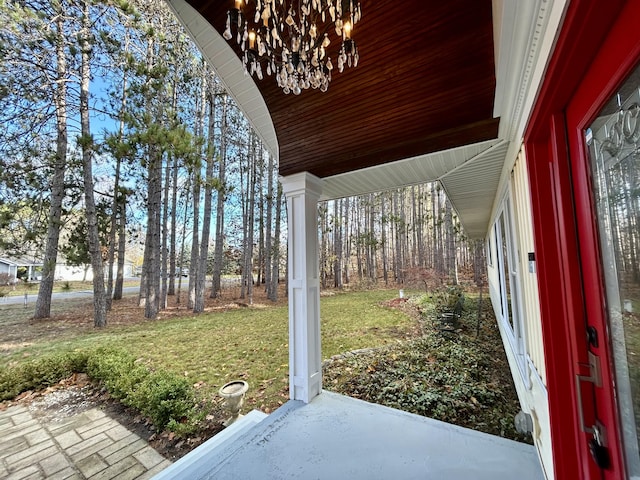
x: 470, y: 176
x: 472, y: 188
x: 417, y: 108
x: 425, y: 83
x: 411, y: 171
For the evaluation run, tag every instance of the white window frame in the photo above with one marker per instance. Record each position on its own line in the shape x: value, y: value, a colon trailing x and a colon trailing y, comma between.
x: 489, y: 248
x: 516, y: 334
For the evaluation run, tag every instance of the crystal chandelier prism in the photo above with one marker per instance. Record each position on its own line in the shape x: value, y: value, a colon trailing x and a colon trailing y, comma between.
x: 290, y: 39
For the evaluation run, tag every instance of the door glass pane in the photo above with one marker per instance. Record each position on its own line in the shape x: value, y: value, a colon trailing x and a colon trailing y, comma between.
x: 613, y: 141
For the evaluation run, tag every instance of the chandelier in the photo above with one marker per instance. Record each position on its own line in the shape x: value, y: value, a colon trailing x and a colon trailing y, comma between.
x: 290, y: 38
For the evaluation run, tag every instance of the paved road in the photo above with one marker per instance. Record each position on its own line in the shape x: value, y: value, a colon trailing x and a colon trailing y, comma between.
x: 31, y: 296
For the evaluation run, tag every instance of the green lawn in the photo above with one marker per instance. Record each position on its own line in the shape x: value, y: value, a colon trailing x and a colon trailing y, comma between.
x: 248, y: 343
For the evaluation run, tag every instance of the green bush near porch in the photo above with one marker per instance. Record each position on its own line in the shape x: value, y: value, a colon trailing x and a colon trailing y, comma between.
x: 164, y: 397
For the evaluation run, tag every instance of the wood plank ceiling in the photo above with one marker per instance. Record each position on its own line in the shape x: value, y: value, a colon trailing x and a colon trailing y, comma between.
x: 425, y: 82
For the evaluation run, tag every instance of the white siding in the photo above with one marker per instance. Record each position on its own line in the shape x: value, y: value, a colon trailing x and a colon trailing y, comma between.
x: 522, y: 331
x: 529, y: 286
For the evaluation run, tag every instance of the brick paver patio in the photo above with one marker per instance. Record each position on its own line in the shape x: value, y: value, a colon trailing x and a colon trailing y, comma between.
x: 87, y: 445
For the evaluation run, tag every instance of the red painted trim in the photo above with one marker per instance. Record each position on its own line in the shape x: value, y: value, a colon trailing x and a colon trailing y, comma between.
x: 617, y: 58
x: 571, y: 307
x: 558, y: 357
x: 556, y: 237
x: 560, y: 298
x: 585, y: 25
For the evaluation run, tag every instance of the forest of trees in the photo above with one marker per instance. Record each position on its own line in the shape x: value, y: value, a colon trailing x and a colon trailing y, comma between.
x: 410, y: 236
x: 117, y: 135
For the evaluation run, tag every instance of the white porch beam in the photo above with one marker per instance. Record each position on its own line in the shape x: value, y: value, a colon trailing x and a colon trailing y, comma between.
x: 305, y: 358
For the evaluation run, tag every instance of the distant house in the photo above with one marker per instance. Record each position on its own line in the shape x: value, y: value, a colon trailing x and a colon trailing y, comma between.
x: 20, y: 268
x: 84, y: 273
x: 70, y: 273
x: 24, y: 268
x: 8, y: 268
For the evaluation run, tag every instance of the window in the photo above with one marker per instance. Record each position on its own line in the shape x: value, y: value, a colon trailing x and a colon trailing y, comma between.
x: 508, y: 275
x: 505, y: 275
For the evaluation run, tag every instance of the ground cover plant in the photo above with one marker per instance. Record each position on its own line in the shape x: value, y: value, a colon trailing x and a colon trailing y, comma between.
x: 460, y: 377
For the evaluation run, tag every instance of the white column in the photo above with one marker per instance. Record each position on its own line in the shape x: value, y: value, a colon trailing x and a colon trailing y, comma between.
x: 305, y: 358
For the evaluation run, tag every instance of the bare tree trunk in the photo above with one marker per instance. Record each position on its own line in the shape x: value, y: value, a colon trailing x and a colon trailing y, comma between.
x: 144, y: 274
x: 399, y: 237
x: 195, y: 239
x: 154, y: 204
x: 216, y: 281
x: 172, y: 235
x: 366, y: 214
x: 478, y: 263
x: 244, y: 201
x: 450, y: 244
x: 164, y: 252
x: 268, y: 225
x: 201, y: 267
x: 250, y: 221
x: 260, y: 274
x: 419, y: 225
x: 43, y: 303
x: 337, y: 244
x: 360, y: 241
x: 122, y: 242
x: 275, y: 269
x: 323, y: 213
x: 440, y: 265
x: 86, y: 143
x: 197, y: 183
x: 383, y: 241
x: 415, y: 226
x: 630, y: 227
x: 182, y: 242
x: 373, y: 248
x: 406, y: 252
x: 112, y: 232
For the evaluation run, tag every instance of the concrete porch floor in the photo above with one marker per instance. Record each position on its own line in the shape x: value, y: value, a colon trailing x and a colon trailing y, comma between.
x: 336, y: 437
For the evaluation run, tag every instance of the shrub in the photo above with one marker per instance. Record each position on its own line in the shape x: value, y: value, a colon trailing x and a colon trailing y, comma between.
x: 41, y: 372
x: 166, y: 398
x: 446, y: 297
x: 117, y: 370
x: 6, y: 280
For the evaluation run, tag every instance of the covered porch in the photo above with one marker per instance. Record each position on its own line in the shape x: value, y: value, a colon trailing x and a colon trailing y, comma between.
x: 335, y: 437
x: 441, y: 94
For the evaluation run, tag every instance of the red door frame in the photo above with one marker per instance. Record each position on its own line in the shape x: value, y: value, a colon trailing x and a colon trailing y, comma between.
x: 616, y: 59
x: 557, y: 241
